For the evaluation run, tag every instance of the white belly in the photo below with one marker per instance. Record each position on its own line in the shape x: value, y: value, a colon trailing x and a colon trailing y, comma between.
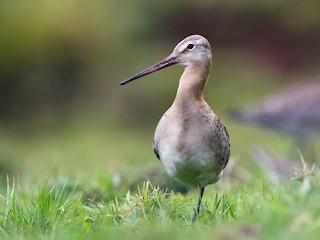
x: 194, y: 164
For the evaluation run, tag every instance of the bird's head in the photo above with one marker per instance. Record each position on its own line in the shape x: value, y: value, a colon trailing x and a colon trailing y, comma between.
x: 192, y: 50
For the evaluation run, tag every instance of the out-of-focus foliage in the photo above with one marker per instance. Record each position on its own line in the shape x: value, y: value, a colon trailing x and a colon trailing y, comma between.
x: 60, y: 52
x: 61, y: 63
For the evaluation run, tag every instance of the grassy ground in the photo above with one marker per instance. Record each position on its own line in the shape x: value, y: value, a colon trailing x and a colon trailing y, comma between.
x: 69, y: 209
x: 88, y: 179
x: 76, y: 146
x: 100, y: 165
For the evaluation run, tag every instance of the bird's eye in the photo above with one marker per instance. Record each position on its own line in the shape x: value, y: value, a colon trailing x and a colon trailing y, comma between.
x: 190, y: 46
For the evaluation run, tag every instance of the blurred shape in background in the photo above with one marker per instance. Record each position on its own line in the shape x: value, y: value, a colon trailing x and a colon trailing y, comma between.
x: 275, y: 167
x: 295, y: 110
x: 278, y: 168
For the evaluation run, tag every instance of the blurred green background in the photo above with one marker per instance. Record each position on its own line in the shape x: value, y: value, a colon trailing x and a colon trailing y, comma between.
x: 61, y: 63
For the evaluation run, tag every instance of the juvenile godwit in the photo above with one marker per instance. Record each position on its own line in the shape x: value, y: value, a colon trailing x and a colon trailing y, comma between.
x: 190, y: 140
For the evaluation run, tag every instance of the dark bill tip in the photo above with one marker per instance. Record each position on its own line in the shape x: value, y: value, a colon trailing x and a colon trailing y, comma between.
x: 133, y: 78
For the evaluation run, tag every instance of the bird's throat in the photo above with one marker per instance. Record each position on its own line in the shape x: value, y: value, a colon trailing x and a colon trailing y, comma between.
x: 191, y: 84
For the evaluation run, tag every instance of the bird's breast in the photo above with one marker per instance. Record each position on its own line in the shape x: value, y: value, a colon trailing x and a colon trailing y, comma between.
x: 186, y: 146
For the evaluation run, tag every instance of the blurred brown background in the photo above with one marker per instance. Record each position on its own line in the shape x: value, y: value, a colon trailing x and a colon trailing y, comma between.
x: 61, y: 63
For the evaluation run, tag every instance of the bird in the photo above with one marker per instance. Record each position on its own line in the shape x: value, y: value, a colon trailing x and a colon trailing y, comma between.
x: 294, y: 111
x: 190, y: 140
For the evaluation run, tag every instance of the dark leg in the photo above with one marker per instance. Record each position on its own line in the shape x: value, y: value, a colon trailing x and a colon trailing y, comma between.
x: 196, y: 213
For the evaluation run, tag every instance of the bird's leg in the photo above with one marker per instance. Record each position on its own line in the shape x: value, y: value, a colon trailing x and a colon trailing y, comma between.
x: 196, y: 213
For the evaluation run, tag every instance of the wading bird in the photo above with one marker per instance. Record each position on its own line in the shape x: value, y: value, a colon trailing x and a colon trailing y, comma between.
x: 190, y: 140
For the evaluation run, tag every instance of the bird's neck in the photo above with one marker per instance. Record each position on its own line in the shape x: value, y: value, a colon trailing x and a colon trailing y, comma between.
x: 191, y: 84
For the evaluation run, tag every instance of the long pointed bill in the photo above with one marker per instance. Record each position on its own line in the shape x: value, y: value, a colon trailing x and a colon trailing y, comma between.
x: 168, y: 61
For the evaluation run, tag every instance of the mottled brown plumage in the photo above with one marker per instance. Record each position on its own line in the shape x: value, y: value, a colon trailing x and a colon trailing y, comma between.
x: 190, y: 140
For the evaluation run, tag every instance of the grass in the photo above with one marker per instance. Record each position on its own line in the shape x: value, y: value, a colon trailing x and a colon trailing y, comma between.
x: 108, y: 129
x: 68, y: 209
x: 92, y: 203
